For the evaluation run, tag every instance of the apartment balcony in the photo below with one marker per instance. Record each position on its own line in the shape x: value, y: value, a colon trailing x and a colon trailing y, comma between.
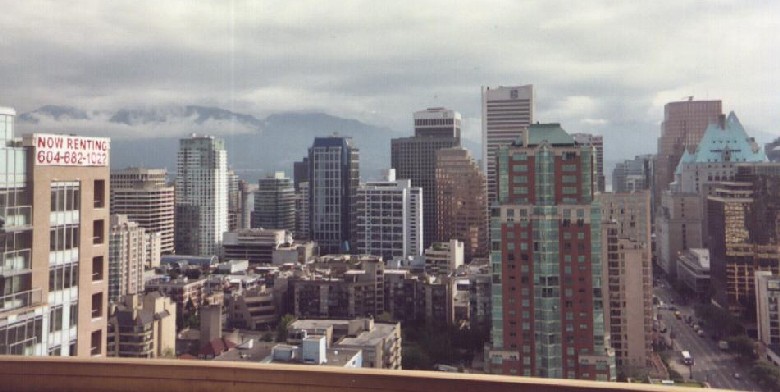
x: 21, y: 374
x: 20, y: 300
x: 15, y: 218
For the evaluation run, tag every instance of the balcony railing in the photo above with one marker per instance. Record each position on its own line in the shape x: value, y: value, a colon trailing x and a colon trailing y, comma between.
x: 16, y: 218
x: 20, y: 300
x: 13, y: 262
x: 23, y: 374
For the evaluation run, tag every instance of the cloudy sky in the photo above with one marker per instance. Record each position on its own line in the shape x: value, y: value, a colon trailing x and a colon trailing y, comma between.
x: 598, y: 66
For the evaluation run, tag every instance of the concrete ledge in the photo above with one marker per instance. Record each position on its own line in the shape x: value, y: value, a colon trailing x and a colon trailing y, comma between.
x: 20, y: 374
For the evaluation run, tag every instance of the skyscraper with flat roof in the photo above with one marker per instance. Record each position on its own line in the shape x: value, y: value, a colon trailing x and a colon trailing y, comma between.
x: 274, y: 203
x: 201, y: 195
x: 145, y: 197
x: 334, y: 176
x: 414, y: 158
x: 506, y: 113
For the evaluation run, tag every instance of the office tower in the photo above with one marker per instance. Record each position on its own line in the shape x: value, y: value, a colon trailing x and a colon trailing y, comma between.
x: 506, y: 113
x: 302, y: 217
x: 201, y: 195
x: 247, y: 195
x: 300, y: 172
x: 414, y: 158
x: 628, y: 276
x: 147, y: 199
x: 334, y: 176
x: 142, y: 326
x: 53, y: 278
x: 744, y: 236
x: 389, y: 218
x: 633, y: 174
x: 126, y: 258
x: 682, y: 222
x: 461, y: 201
x: 234, y: 200
x: 683, y: 126
x: 597, y: 141
x: 275, y: 203
x: 548, y: 313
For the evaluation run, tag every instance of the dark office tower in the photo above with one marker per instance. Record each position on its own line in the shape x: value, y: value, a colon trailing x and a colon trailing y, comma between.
x: 684, y: 125
x: 597, y: 141
x: 414, y: 158
x: 506, y: 113
x: 274, y: 203
x: 461, y: 202
x: 548, y: 312
x: 334, y: 176
x: 743, y: 231
x: 300, y: 172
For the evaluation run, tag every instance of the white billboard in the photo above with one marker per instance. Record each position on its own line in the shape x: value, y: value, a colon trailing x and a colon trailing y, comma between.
x: 69, y: 150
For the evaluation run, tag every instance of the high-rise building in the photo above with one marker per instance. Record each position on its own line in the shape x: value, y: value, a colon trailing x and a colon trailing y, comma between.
x: 683, y: 126
x: 744, y: 235
x: 767, y: 311
x: 461, y: 203
x: 145, y: 197
x: 389, y: 218
x: 235, y: 208
x: 597, y: 141
x: 506, y: 113
x: 302, y: 217
x: 53, y: 278
x: 633, y: 174
x: 548, y: 311
x: 334, y: 176
x: 628, y: 276
x: 414, y: 158
x: 201, y: 195
x: 126, y: 258
x: 247, y: 195
x: 275, y: 203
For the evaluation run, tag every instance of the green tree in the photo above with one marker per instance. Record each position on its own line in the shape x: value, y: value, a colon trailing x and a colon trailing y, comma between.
x: 743, y: 346
x: 766, y: 374
x: 415, y: 358
x: 282, y: 327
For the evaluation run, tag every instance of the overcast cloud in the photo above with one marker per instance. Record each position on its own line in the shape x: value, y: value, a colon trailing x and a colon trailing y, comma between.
x: 597, y: 66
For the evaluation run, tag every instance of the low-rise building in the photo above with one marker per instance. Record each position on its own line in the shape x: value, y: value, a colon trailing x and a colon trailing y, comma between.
x: 693, y: 271
x: 443, y: 258
x: 256, y: 245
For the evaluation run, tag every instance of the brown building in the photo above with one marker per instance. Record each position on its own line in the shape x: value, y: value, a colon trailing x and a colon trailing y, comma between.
x: 628, y: 276
x: 548, y: 312
x: 684, y: 125
x: 461, y: 202
x: 142, y: 326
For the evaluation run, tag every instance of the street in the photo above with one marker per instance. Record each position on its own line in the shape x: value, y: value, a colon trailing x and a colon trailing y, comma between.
x: 711, y: 363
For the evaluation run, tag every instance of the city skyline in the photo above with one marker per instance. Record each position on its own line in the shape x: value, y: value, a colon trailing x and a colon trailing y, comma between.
x: 260, y: 59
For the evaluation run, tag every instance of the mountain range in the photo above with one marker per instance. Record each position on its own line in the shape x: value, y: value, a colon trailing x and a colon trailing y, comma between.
x: 149, y: 137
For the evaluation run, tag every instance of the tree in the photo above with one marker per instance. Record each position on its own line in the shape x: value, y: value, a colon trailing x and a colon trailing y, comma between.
x: 766, y: 374
x: 743, y: 346
x: 415, y: 358
x: 283, y: 326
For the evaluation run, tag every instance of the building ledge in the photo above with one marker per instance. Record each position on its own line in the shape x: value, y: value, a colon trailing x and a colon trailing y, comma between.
x: 22, y: 374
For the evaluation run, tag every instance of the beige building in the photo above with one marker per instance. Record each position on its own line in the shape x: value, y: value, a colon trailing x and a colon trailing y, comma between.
x: 443, y: 258
x: 628, y: 276
x: 69, y: 184
x: 126, y: 258
x: 142, y: 326
x: 678, y: 227
x: 145, y: 197
x: 253, y: 309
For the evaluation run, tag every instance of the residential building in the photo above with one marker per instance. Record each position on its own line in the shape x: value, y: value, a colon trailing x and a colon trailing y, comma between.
x: 127, y: 253
x: 201, y: 195
x: 683, y: 126
x: 443, y: 258
x: 334, y: 176
x: 247, y: 193
x: 142, y: 326
x: 633, y: 174
x: 302, y: 216
x: 461, y: 202
x: 275, y: 203
x: 414, y: 158
x: 235, y: 208
x: 693, y: 271
x: 379, y: 342
x: 506, y: 113
x: 597, y: 141
x: 144, y: 196
x: 255, y: 245
x: 628, y: 276
x: 313, y: 351
x: 548, y: 310
x: 254, y: 309
x: 389, y: 218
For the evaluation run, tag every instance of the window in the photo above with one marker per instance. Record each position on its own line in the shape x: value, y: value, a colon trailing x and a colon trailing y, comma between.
x: 100, y: 193
x: 97, y: 268
x: 97, y: 305
x: 95, y: 342
x: 63, y: 277
x: 65, y: 196
x: 98, y: 231
x: 55, y: 321
x: 64, y: 237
